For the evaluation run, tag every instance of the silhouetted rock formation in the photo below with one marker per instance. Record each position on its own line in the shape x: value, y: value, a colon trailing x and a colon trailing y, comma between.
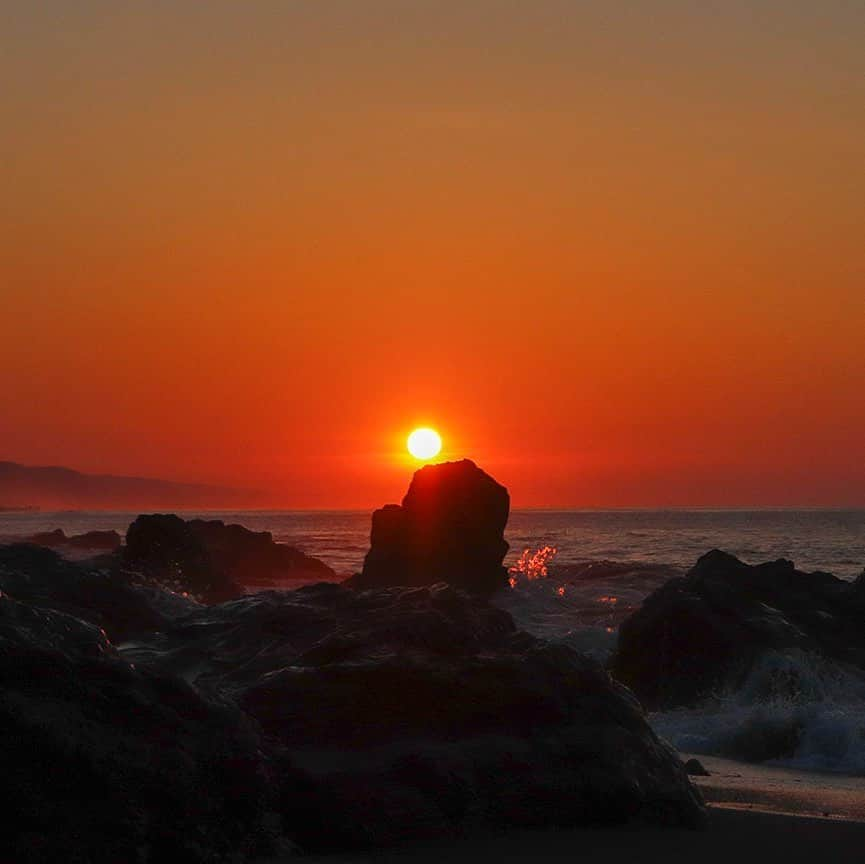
x: 698, y: 634
x: 98, y: 541
x: 102, y: 762
x: 450, y: 527
x: 416, y: 712
x: 40, y: 577
x: 212, y: 560
x: 334, y: 718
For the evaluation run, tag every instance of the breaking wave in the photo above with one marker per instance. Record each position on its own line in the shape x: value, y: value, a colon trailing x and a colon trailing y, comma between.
x: 797, y: 710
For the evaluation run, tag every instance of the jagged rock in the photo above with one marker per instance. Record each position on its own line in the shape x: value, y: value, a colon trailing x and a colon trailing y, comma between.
x: 419, y: 712
x: 102, y: 762
x: 105, y: 598
x: 702, y: 633
x: 101, y: 541
x: 449, y: 527
x: 212, y: 560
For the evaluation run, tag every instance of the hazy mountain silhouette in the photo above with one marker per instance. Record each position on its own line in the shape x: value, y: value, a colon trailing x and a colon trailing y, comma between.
x: 57, y: 487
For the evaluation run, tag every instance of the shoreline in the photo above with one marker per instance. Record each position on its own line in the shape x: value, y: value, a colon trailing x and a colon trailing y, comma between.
x: 774, y: 789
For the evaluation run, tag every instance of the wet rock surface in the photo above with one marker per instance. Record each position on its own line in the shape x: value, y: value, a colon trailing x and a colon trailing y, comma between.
x: 418, y: 711
x: 702, y: 633
x: 324, y: 717
x: 102, y: 597
x: 103, y: 762
x: 449, y: 527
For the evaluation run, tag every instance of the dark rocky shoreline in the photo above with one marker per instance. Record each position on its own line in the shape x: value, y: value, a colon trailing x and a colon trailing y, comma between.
x: 323, y: 718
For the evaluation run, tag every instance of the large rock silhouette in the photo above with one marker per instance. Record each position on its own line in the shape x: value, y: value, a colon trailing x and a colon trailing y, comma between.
x: 449, y: 527
x: 211, y: 560
x: 103, y: 762
x: 325, y: 716
x: 102, y: 597
x: 703, y: 633
x: 418, y: 713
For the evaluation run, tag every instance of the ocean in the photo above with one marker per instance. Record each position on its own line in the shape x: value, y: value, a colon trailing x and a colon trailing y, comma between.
x: 606, y: 562
x: 831, y: 540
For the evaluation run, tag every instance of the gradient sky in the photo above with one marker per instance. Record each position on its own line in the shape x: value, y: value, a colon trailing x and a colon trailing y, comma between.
x: 613, y: 251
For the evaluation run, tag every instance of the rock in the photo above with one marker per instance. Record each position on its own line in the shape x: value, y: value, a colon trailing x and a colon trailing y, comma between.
x: 697, y: 635
x: 57, y: 537
x: 104, y: 598
x: 211, y: 560
x: 104, y: 541
x: 417, y: 713
x: 102, y: 762
x: 449, y: 527
x: 695, y: 768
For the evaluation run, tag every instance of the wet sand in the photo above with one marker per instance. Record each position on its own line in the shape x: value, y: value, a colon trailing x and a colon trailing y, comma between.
x: 770, y: 789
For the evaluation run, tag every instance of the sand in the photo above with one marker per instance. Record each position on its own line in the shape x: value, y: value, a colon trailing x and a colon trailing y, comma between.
x: 770, y: 789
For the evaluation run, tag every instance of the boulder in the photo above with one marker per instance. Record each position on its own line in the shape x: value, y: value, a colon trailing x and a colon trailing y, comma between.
x: 98, y: 541
x: 449, y: 527
x: 102, y: 597
x: 701, y: 634
x: 418, y: 713
x: 105, y: 541
x: 102, y: 762
x: 212, y: 561
x: 695, y: 768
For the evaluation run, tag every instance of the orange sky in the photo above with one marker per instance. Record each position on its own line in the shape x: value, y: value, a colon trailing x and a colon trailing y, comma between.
x: 614, y: 252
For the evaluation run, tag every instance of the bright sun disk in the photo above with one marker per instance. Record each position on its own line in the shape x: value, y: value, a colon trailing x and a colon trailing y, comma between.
x: 424, y: 443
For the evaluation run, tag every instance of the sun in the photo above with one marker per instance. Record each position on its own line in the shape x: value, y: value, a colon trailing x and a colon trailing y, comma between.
x: 424, y: 443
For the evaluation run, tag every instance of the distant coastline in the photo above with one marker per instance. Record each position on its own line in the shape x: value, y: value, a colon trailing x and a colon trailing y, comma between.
x: 61, y: 488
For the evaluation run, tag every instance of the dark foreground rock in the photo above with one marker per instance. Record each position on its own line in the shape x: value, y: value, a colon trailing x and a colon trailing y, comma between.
x: 97, y: 541
x: 695, y: 768
x: 449, y: 527
x: 704, y: 633
x: 416, y: 713
x: 102, y: 762
x: 211, y: 560
x: 323, y: 717
x: 102, y: 597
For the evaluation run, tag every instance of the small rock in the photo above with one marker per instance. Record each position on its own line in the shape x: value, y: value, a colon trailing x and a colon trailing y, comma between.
x: 696, y: 768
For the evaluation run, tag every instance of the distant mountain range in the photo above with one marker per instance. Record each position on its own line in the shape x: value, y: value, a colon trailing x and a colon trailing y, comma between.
x: 63, y: 488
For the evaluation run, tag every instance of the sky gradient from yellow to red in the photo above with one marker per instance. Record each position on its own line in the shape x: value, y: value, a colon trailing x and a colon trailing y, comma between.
x: 612, y: 251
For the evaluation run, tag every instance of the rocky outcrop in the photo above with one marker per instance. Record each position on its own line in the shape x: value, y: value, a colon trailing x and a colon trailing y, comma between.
x: 703, y: 633
x: 420, y: 712
x: 449, y: 527
x: 102, y: 762
x: 212, y: 561
x: 98, y: 541
x: 325, y: 717
x: 104, y: 598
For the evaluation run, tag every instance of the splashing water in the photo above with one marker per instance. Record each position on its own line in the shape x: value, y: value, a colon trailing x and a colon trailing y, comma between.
x: 532, y: 565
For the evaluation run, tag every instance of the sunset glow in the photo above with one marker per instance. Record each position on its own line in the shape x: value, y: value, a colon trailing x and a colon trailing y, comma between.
x: 619, y: 249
